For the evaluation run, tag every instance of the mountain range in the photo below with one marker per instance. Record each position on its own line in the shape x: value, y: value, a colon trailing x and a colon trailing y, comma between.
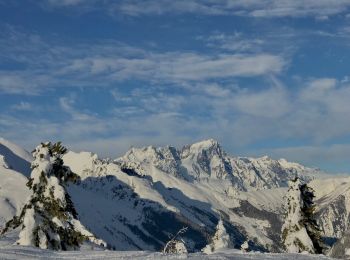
x: 137, y: 201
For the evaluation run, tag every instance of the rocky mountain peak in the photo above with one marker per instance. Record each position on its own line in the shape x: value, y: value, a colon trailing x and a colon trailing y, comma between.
x: 210, y: 146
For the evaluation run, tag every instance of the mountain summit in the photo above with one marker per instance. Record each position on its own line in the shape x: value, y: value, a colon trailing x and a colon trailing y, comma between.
x: 206, y: 161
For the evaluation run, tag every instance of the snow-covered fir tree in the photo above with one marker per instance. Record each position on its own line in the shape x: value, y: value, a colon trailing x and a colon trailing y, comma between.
x: 49, y: 219
x: 309, y: 221
x: 245, y: 246
x: 300, y: 232
x: 220, y: 240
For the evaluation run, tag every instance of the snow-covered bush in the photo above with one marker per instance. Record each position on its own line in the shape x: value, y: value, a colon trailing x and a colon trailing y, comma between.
x: 220, y: 240
x: 300, y: 232
x: 176, y: 245
x: 245, y: 246
x: 49, y: 219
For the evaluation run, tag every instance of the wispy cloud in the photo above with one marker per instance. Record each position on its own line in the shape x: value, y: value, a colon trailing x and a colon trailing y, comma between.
x: 235, y: 42
x: 49, y: 65
x: 104, y: 95
x: 67, y: 105
x: 23, y: 106
x: 255, y: 8
x: 237, y: 116
x: 24, y: 82
x: 320, y: 9
x: 67, y: 2
x: 178, y: 66
x: 322, y: 156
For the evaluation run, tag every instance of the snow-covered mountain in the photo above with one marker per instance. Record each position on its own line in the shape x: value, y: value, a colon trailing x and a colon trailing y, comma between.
x: 17, y: 158
x: 136, y: 201
x: 207, y: 162
x: 14, y: 167
x: 333, y: 200
x: 194, y: 186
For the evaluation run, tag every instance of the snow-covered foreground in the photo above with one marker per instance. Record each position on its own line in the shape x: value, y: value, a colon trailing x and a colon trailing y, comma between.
x: 42, y: 254
x: 16, y: 252
x: 10, y: 251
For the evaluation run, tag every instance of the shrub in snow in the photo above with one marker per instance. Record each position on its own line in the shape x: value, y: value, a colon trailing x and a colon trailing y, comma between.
x: 49, y: 219
x: 220, y: 240
x: 245, y: 246
x: 300, y: 231
x: 176, y: 245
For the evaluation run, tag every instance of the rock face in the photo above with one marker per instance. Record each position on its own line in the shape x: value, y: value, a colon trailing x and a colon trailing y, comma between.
x: 341, y: 249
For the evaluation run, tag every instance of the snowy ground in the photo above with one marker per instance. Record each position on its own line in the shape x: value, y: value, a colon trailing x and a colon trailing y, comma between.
x: 10, y: 251
x: 15, y: 252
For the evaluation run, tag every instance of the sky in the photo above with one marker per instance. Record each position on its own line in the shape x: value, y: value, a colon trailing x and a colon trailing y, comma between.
x: 263, y: 77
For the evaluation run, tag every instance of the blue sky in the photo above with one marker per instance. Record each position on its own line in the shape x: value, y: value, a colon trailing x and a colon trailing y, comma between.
x: 260, y: 76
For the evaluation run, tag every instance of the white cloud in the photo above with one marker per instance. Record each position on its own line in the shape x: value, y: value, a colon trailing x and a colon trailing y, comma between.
x: 49, y: 65
x: 315, y: 156
x: 23, y: 106
x: 318, y: 89
x: 22, y: 82
x: 320, y: 9
x: 67, y: 105
x: 235, y: 42
x: 170, y: 67
x: 214, y: 90
x: 67, y: 2
x: 236, y: 116
x: 255, y: 8
x: 271, y: 103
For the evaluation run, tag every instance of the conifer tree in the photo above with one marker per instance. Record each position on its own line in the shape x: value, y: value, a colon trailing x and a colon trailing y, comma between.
x: 220, y: 240
x: 309, y: 221
x: 300, y: 231
x: 49, y: 219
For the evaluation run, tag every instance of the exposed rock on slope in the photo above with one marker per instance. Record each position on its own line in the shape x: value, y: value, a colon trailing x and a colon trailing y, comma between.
x: 341, y: 249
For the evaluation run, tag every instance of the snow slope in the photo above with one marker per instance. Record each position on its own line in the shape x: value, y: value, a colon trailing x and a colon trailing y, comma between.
x: 17, y: 158
x: 13, y: 191
x: 9, y: 251
x: 14, y: 166
x: 194, y: 187
x: 136, y: 201
x: 333, y: 205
